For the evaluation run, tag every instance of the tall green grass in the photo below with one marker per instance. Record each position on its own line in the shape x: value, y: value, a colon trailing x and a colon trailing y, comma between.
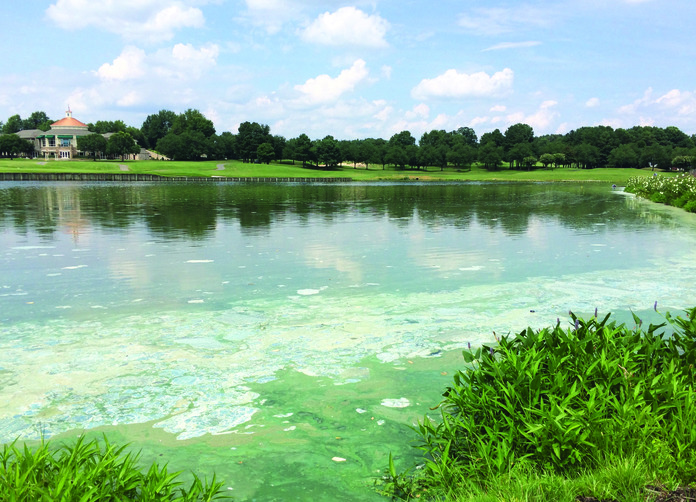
x: 87, y: 471
x: 595, y: 401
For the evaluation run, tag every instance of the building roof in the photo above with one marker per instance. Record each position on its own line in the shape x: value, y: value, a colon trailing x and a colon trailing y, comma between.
x: 69, y: 122
x: 67, y: 131
x: 30, y: 133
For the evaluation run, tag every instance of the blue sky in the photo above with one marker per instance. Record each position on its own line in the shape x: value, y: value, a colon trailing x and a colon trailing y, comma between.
x: 355, y: 69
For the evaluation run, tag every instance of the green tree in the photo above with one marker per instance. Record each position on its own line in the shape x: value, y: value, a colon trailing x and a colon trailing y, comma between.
x: 107, y: 126
x: 303, y: 149
x: 491, y: 156
x: 156, y: 127
x: 518, y: 152
x: 249, y: 136
x: 529, y: 162
x: 380, y: 153
x: 496, y: 137
x: 349, y: 151
x: 468, y: 134
x: 587, y: 156
x: 396, y: 155
x: 36, y: 120
x: 328, y: 152
x: 289, y: 150
x: 172, y: 145
x: 196, y: 145
x: 13, y: 125
x: 265, y: 153
x: 427, y: 156
x: 226, y: 146
x: 601, y: 137
x: 191, y: 136
x: 412, y: 155
x: 93, y: 143
x: 547, y: 159
x: 683, y: 162
x: 121, y: 144
x: 518, y: 133
x: 403, y: 138
x: 278, y: 143
x: 623, y: 156
x: 462, y: 154
x: 137, y: 136
x: 12, y: 145
x: 367, y: 152
x: 193, y: 120
x: 677, y: 138
x: 440, y: 142
x: 655, y: 156
x: 518, y: 140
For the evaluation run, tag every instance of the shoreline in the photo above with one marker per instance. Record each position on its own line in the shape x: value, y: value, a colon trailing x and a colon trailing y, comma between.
x: 133, y: 177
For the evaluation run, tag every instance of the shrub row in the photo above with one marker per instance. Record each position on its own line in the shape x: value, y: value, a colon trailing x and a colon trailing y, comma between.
x: 678, y: 191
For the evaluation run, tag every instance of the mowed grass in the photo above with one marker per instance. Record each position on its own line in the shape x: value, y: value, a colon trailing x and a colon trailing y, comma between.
x: 234, y: 168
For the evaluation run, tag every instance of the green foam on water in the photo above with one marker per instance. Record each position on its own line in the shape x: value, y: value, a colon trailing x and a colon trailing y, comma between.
x: 189, y: 373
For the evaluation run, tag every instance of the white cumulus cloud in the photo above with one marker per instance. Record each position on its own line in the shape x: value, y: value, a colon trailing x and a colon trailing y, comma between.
x: 592, y: 102
x: 421, y: 110
x: 324, y: 89
x: 149, y: 20
x: 676, y: 103
x: 455, y: 85
x: 185, y: 61
x: 543, y: 117
x: 182, y: 61
x: 684, y: 102
x: 129, y: 65
x: 347, y: 26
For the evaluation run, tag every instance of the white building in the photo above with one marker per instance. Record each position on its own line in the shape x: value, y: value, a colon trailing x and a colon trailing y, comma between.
x: 60, y: 141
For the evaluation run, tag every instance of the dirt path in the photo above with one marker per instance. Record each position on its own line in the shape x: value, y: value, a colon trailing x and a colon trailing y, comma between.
x: 220, y: 167
x: 123, y: 167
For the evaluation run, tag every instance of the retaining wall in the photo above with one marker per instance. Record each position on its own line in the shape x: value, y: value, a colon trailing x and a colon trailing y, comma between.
x: 154, y: 177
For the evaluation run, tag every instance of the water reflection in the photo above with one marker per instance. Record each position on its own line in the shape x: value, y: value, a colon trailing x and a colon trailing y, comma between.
x: 193, y: 211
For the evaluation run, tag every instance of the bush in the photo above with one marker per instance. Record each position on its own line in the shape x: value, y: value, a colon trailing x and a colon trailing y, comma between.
x: 674, y: 190
x: 658, y: 197
x: 563, y: 401
x: 680, y: 201
x: 90, y: 472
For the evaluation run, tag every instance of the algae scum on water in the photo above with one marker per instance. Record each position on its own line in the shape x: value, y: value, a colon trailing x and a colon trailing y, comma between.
x: 265, y: 332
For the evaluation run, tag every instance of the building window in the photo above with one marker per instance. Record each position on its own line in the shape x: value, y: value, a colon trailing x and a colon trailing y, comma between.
x: 51, y: 141
x: 64, y: 142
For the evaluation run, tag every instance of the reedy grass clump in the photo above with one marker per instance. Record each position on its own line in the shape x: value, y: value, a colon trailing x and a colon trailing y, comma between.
x: 88, y: 471
x: 678, y: 191
x: 563, y: 404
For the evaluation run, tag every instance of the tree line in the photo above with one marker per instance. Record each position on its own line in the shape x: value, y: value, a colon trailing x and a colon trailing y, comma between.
x: 191, y: 136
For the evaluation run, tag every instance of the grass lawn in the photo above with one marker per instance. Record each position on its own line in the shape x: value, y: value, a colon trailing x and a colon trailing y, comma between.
x: 234, y: 168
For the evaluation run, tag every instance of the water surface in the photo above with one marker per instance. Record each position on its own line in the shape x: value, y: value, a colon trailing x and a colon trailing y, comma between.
x: 285, y: 336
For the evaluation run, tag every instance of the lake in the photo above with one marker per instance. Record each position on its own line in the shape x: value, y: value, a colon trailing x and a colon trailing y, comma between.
x: 286, y: 336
